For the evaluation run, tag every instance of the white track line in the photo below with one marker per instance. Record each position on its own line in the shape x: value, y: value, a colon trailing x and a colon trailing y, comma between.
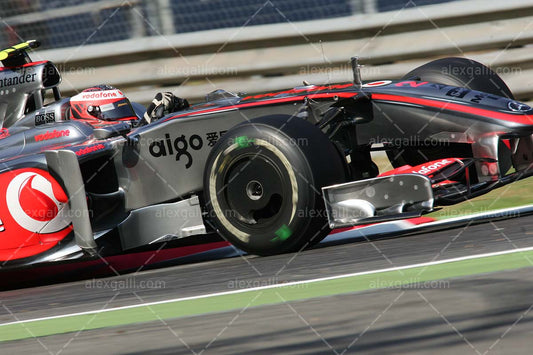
x: 509, y: 212
x: 288, y: 284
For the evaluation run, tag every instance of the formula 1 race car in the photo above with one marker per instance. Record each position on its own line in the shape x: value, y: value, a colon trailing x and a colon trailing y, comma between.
x: 270, y: 173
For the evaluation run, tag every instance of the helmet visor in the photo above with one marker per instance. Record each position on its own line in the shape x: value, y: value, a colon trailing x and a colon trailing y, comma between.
x: 117, y: 110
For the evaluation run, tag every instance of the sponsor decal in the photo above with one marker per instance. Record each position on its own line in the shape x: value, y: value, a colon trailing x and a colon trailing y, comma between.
x: 95, y: 95
x: 35, y: 204
x: 42, y: 118
x: 437, y: 86
x: 458, y: 92
x: 23, y: 78
x: 411, y: 83
x: 52, y: 135
x: 4, y: 132
x: 377, y: 83
x: 518, y: 106
x: 433, y: 167
x: 108, y: 107
x: 90, y: 149
x: 178, y: 146
x: 34, y: 213
x: 212, y: 137
x: 478, y: 98
x: 311, y: 88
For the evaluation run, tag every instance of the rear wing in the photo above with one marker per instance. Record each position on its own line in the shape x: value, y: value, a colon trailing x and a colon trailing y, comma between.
x: 24, y: 82
x: 17, y: 55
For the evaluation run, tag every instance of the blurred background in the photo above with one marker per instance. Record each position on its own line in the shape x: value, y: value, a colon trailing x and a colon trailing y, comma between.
x: 192, y: 47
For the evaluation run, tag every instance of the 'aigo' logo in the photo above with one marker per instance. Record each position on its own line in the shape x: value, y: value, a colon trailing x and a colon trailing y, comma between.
x: 178, y: 147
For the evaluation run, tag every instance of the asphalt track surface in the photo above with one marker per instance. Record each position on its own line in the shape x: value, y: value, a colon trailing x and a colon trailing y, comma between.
x: 474, y: 314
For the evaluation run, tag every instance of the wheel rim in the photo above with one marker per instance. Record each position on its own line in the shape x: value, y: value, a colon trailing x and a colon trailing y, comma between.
x: 254, y: 190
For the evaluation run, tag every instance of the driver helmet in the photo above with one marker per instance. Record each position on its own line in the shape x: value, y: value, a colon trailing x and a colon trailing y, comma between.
x: 101, y: 103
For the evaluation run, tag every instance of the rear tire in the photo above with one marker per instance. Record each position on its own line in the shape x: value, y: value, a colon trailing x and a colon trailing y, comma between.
x: 460, y: 72
x: 263, y: 183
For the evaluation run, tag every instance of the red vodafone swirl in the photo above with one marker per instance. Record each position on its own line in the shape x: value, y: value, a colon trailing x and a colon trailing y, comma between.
x: 34, y: 213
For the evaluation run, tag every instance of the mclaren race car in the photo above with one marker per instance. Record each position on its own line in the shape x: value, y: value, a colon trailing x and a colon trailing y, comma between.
x: 270, y: 173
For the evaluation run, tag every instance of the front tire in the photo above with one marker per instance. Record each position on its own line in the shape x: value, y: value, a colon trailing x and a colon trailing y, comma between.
x: 263, y: 183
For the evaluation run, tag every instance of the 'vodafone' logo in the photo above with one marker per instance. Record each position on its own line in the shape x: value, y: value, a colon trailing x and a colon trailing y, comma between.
x: 94, y: 95
x: 33, y: 205
x: 427, y: 169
